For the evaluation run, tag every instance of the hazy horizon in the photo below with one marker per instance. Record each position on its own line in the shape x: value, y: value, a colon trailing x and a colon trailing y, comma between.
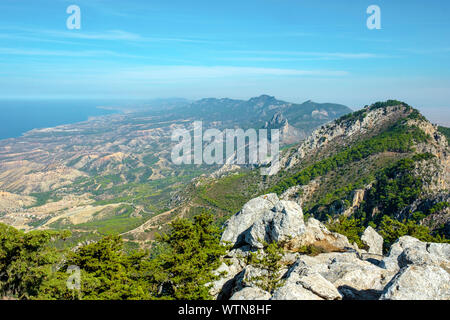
x: 22, y: 119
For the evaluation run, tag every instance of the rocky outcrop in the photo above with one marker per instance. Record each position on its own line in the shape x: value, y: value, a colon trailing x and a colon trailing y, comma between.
x: 251, y: 294
x: 294, y: 290
x: 266, y: 219
x: 417, y: 282
x: 335, y: 130
x: 241, y: 222
x: 412, y: 269
x: 281, y: 224
x: 288, y: 134
x: 408, y: 250
x: 315, y: 283
x: 373, y: 240
x: 317, y: 235
x: 423, y: 270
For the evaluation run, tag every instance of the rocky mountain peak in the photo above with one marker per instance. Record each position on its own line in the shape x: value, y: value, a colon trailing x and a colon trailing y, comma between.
x: 348, y: 128
x: 277, y: 121
x: 262, y: 98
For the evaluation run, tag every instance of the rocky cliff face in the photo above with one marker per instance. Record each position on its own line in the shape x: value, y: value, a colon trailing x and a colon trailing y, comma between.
x: 288, y: 133
x: 412, y: 269
x: 344, y: 131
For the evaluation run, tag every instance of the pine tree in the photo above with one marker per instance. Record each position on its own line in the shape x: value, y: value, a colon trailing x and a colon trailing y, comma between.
x: 192, y: 252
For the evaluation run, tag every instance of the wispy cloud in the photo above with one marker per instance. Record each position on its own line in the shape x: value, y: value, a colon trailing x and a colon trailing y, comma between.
x: 116, y: 35
x: 64, y: 53
x: 314, y: 55
x: 158, y: 73
x: 205, y: 72
x: 108, y: 35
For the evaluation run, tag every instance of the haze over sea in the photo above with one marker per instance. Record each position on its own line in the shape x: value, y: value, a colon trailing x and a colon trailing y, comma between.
x: 20, y: 116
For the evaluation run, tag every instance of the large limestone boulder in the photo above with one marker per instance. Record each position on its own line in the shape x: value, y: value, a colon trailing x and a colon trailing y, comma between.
x: 352, y: 277
x: 293, y: 290
x: 302, y: 283
x: 317, y: 284
x: 282, y: 223
x: 373, y: 240
x: 316, y: 234
x: 417, y: 282
x: 267, y: 219
x: 422, y: 270
x: 244, y: 219
x: 251, y: 293
x: 408, y: 250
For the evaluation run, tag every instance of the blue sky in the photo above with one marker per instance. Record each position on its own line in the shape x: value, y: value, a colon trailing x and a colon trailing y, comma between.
x: 293, y: 49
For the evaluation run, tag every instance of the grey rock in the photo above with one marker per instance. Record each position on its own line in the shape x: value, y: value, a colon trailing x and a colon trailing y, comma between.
x: 411, y: 251
x: 441, y: 250
x: 318, y: 285
x: 251, y: 293
x: 282, y: 223
x: 244, y: 219
x: 224, y: 285
x: 250, y: 274
x: 287, y: 222
x: 419, y: 283
x: 356, y: 278
x: 351, y: 276
x: 318, y: 235
x: 391, y: 262
x: 294, y: 290
x: 373, y: 240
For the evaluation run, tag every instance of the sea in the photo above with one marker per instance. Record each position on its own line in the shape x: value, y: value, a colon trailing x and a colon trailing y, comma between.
x: 20, y: 116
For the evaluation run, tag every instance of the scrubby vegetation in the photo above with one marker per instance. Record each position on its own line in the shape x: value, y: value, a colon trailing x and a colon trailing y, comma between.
x: 351, y: 227
x: 398, y: 138
x: 389, y: 228
x: 270, y: 261
x: 395, y: 188
x: 31, y: 267
x: 445, y: 131
x: 190, y: 253
x: 26, y: 261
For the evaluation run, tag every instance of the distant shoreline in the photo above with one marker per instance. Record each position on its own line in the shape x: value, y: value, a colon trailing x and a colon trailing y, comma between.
x: 21, y: 117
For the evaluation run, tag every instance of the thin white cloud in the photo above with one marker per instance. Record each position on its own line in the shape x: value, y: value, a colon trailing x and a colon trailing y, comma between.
x: 64, y: 53
x: 317, y: 55
x: 159, y: 73
x: 177, y: 73
x: 109, y: 35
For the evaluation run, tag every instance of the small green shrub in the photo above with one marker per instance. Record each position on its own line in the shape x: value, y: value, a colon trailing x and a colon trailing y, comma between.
x: 269, y: 260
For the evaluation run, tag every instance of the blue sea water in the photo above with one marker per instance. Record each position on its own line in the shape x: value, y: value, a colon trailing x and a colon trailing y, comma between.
x: 18, y: 117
